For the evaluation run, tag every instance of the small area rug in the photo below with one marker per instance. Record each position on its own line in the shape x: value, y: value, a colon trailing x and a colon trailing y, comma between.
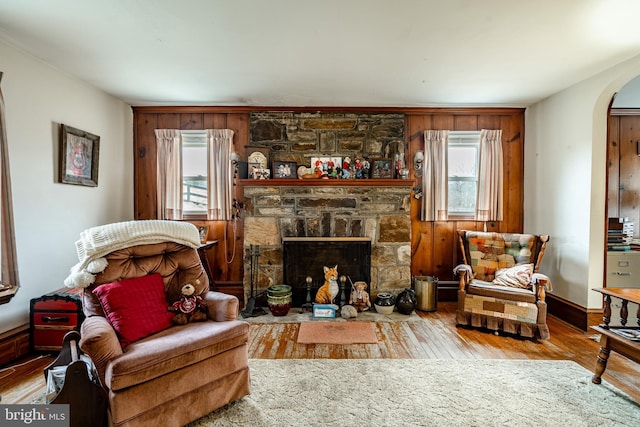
x: 337, y: 333
x: 410, y: 392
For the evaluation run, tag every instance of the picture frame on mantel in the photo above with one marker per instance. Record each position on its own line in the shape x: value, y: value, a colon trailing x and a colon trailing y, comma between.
x: 79, y: 156
x: 382, y: 168
x: 284, y: 169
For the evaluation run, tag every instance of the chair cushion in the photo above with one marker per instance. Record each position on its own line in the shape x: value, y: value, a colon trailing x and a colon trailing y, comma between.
x: 518, y: 276
x: 172, y: 349
x: 136, y: 308
x: 488, y: 289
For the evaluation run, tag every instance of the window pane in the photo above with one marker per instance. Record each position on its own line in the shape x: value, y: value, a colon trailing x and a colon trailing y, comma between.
x: 462, y: 161
x: 194, y: 177
x: 462, y: 196
x: 194, y: 160
x: 194, y: 194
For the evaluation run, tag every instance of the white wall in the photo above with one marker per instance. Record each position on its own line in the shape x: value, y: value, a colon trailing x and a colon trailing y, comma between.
x: 50, y: 216
x: 565, y: 176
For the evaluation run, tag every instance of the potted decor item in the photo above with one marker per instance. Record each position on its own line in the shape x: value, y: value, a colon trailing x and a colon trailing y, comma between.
x: 406, y: 301
x: 384, y: 303
x: 279, y: 299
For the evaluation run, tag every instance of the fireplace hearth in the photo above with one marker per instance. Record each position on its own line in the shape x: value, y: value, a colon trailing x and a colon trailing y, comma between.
x: 306, y: 256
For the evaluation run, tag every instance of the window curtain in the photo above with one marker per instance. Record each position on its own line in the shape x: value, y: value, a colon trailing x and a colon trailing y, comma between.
x: 490, y: 177
x: 169, y: 173
x: 9, y: 282
x: 434, y: 177
x: 220, y: 174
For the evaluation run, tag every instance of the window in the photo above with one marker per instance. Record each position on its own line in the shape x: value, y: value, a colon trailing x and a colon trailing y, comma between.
x: 194, y: 172
x: 9, y: 281
x: 462, y: 178
x: 195, y: 167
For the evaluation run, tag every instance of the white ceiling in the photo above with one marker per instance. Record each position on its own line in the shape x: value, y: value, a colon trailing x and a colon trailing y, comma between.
x: 326, y: 52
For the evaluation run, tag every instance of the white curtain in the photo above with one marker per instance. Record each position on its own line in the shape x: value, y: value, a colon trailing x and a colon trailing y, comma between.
x: 490, y: 177
x: 220, y: 174
x: 169, y: 173
x: 434, y: 177
x: 9, y: 283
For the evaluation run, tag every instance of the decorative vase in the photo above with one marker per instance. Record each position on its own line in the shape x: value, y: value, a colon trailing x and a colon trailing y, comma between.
x: 406, y: 301
x: 384, y: 303
x: 279, y: 299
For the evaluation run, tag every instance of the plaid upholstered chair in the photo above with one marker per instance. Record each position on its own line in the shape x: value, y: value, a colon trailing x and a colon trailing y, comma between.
x: 500, y: 287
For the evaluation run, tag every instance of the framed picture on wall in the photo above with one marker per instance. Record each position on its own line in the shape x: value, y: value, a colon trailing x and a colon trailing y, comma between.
x: 79, y: 155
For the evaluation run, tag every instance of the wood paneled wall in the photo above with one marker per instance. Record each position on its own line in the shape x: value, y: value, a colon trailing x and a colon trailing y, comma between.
x: 623, y: 163
x: 435, y: 249
x: 146, y: 120
x: 434, y: 244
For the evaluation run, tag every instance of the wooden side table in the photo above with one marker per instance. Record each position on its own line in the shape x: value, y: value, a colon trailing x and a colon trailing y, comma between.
x: 613, y: 337
x: 204, y: 259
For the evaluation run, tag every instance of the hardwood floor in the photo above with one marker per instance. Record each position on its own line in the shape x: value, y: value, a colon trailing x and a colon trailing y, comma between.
x: 435, y: 338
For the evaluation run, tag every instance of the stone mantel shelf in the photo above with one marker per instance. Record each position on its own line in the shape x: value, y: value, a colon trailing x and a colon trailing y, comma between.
x: 286, y: 182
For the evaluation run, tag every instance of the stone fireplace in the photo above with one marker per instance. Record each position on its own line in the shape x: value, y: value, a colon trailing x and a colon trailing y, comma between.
x: 339, y: 209
x: 306, y: 256
x: 377, y: 210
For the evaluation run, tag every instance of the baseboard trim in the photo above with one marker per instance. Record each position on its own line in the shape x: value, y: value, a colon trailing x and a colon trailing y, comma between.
x: 572, y: 313
x: 14, y: 344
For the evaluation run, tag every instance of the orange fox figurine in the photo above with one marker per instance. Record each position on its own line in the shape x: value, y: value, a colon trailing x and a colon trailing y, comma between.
x: 327, y: 292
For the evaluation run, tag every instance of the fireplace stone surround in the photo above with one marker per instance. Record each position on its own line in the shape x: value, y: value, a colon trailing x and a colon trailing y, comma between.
x: 363, y: 208
x: 376, y: 209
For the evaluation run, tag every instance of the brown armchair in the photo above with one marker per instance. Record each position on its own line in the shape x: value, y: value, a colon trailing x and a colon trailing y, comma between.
x: 500, y: 287
x: 180, y: 373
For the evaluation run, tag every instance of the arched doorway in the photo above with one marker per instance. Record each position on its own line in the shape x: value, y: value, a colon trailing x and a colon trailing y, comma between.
x: 622, y: 202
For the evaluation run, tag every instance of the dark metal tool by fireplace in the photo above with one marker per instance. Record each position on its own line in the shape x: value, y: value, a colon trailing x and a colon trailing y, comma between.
x: 250, y: 310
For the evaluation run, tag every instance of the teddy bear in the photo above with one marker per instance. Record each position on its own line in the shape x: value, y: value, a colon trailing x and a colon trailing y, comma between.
x: 190, y: 307
x: 360, y: 297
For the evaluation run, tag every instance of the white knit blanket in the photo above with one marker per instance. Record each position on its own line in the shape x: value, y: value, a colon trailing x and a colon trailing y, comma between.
x: 99, y: 241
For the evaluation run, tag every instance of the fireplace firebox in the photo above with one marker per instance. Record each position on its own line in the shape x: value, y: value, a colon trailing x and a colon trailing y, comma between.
x: 306, y: 256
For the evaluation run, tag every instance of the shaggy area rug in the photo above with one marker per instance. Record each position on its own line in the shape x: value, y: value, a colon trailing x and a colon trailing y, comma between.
x: 337, y: 333
x: 383, y: 392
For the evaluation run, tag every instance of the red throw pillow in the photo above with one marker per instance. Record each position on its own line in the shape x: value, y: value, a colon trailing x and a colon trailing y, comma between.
x: 136, y: 308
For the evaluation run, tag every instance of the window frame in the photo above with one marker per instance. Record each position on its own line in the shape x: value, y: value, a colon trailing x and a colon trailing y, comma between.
x: 463, y: 139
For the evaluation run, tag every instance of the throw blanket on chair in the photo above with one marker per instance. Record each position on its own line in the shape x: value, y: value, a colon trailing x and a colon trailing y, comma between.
x: 99, y: 241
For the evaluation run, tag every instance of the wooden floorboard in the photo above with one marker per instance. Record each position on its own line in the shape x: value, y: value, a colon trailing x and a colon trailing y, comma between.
x: 435, y: 336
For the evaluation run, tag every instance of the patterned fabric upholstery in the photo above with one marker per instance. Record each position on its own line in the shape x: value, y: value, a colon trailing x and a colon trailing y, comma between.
x: 489, y: 252
x: 486, y: 303
x: 504, y: 309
